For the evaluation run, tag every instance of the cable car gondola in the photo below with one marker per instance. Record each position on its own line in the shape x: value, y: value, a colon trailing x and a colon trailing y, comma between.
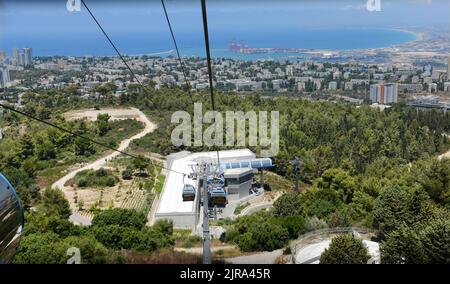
x: 218, y: 197
x: 188, y: 192
x: 220, y: 181
x: 11, y: 221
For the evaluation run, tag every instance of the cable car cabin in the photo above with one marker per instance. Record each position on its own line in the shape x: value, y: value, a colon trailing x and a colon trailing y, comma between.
x: 11, y: 221
x: 218, y: 197
x: 220, y: 181
x: 188, y: 192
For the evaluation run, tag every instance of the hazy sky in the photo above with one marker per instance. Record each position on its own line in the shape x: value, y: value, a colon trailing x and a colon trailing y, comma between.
x: 20, y: 18
x: 52, y: 16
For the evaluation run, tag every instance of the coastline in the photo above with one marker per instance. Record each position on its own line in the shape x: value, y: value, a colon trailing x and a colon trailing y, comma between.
x: 223, y: 51
x: 419, y: 35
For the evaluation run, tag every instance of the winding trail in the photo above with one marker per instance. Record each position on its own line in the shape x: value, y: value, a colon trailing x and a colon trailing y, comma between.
x: 255, y: 208
x: 101, y: 162
x: 267, y: 257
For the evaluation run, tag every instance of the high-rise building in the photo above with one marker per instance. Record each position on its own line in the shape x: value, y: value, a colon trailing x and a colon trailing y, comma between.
x: 62, y: 63
x: 384, y: 93
x: 332, y: 85
x: 28, y: 60
x: 390, y: 93
x: 16, y: 57
x: 22, y: 59
x: 2, y: 56
x: 4, y: 76
x: 376, y: 92
x: 447, y: 87
x: 448, y: 69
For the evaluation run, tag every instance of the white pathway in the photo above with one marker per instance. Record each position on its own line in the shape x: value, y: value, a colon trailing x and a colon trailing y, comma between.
x: 101, y: 162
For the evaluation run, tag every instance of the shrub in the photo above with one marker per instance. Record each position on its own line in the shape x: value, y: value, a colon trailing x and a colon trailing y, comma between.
x: 127, y: 174
x: 340, y: 218
x: 246, y: 242
x: 40, y: 248
x: 265, y: 236
x: 320, y: 202
x: 402, y: 246
x: 435, y: 239
x: 82, y: 182
x: 345, y: 249
x: 121, y: 217
x: 110, y: 181
x: 54, y: 203
x: 231, y: 235
x: 294, y: 225
x: 115, y: 236
x: 191, y: 240
x: 314, y: 223
x: 91, y: 251
x: 164, y: 226
x: 288, y: 204
x: 152, y: 240
x: 269, y: 236
x: 101, y: 172
x: 98, y: 178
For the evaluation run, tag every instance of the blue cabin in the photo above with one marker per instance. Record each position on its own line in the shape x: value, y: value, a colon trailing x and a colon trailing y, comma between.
x: 11, y: 220
x: 188, y: 192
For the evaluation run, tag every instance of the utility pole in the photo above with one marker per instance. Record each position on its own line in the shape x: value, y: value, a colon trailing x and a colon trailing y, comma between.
x: 206, y: 234
x: 201, y: 172
x: 368, y: 82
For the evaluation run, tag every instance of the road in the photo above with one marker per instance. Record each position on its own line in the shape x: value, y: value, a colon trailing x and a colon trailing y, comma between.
x: 254, y: 208
x: 101, y: 162
x: 258, y: 258
x: 199, y: 250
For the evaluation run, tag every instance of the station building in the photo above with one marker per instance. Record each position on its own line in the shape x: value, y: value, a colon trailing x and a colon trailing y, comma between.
x: 237, y: 166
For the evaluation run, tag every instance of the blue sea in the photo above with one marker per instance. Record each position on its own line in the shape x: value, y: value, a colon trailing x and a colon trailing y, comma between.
x: 141, y: 28
x: 193, y: 45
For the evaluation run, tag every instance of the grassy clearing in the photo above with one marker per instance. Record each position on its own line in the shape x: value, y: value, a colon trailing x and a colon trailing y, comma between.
x: 97, y: 179
x: 48, y: 171
x: 185, y: 239
x: 159, y: 184
x: 277, y: 182
x: 165, y: 257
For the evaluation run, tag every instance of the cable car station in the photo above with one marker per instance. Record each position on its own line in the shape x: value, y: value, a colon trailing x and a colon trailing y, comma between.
x: 231, y: 180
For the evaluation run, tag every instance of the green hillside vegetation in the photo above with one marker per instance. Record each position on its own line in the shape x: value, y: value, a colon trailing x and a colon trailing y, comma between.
x: 49, y: 234
x: 33, y: 155
x: 362, y: 167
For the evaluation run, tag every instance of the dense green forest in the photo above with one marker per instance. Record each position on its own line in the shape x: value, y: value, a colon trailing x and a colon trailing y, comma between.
x: 361, y: 167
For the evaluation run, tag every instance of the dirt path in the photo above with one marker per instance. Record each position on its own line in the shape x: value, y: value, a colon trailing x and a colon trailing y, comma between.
x: 255, y: 207
x: 101, y: 162
x: 258, y: 258
x: 199, y: 250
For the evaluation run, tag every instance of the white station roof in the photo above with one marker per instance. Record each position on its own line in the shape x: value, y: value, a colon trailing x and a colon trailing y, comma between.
x: 171, y: 198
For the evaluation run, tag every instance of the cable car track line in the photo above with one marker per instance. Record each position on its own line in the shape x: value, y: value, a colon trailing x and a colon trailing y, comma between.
x: 76, y: 134
x: 114, y: 46
x: 208, y: 60
x: 183, y: 69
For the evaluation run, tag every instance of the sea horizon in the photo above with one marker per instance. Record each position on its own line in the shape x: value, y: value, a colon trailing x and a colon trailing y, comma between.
x: 192, y: 45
